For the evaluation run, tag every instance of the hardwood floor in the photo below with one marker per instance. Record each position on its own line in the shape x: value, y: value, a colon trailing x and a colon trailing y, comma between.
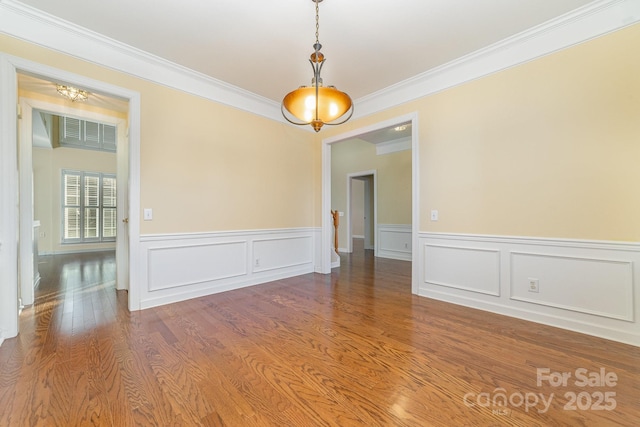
x: 353, y: 348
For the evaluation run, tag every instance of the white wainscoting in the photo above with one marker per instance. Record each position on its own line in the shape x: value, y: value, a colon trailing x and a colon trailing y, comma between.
x: 481, y: 273
x: 394, y: 241
x: 586, y: 286
x: 177, y: 267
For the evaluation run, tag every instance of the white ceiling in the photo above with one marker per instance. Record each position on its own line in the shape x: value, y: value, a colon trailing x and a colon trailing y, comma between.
x: 263, y: 47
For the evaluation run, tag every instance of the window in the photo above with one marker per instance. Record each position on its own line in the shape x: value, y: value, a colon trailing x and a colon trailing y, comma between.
x: 88, y: 207
x: 79, y: 133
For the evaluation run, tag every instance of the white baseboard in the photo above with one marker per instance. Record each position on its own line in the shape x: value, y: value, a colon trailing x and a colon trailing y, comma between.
x: 75, y: 251
x: 394, y: 241
x: 177, y: 267
x: 590, y: 287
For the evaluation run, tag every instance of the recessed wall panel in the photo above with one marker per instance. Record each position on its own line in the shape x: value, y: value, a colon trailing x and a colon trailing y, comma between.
x: 466, y: 268
x: 597, y: 286
x: 175, y: 266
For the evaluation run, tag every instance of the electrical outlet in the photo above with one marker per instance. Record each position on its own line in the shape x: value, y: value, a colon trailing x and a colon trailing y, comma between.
x: 257, y: 262
x: 534, y: 285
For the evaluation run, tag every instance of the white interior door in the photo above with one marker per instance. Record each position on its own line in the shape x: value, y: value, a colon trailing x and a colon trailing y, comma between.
x: 122, y: 240
x: 25, y: 167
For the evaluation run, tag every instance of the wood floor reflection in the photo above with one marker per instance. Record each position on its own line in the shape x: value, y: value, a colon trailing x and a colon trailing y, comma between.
x: 354, y: 348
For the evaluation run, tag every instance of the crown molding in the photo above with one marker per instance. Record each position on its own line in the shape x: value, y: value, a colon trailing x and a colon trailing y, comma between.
x: 393, y: 146
x: 595, y: 19
x: 32, y: 25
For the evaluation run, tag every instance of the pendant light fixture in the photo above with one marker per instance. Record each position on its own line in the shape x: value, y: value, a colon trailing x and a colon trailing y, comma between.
x: 317, y: 105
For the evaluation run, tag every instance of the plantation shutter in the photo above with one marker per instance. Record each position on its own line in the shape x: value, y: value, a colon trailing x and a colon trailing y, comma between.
x: 108, y: 137
x: 71, y: 131
x: 109, y: 207
x: 92, y: 134
x: 86, y: 134
x: 89, y: 207
x: 71, y: 208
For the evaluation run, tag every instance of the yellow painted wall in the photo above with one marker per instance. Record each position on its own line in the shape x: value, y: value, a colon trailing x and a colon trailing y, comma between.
x: 223, y: 169
x: 393, y: 172
x: 205, y: 166
x: 550, y: 148
x: 47, y: 191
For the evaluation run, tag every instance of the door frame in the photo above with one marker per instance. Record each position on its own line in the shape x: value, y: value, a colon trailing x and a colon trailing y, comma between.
x: 25, y: 173
x: 10, y: 215
x: 350, y: 178
x: 327, y: 220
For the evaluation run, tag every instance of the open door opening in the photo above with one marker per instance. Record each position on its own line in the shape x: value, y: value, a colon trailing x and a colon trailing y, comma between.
x: 59, y: 143
x: 17, y: 265
x: 402, y: 236
x: 361, y: 202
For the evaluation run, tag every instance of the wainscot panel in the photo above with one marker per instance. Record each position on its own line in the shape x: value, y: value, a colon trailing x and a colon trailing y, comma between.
x: 394, y: 241
x: 586, y: 286
x: 273, y: 254
x: 183, y: 266
x: 481, y: 272
x: 174, y: 266
x: 605, y: 286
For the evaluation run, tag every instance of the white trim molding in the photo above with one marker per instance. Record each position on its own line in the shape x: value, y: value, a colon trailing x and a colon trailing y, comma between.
x: 593, y: 20
x: 9, y: 196
x: 592, y: 287
x: 35, y: 26
x: 393, y: 146
x: 177, y: 267
x: 9, y: 67
x: 394, y: 241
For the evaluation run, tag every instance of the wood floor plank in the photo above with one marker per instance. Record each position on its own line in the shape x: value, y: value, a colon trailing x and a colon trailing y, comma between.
x: 353, y: 348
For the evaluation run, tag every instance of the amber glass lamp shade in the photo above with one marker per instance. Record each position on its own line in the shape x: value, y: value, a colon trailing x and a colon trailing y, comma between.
x: 317, y: 105
x: 331, y: 106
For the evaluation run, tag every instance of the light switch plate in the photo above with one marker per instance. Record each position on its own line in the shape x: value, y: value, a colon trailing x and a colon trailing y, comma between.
x: 148, y: 214
x: 434, y: 215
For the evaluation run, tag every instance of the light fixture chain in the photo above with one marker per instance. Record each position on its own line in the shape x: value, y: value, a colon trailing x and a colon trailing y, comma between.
x: 317, y: 21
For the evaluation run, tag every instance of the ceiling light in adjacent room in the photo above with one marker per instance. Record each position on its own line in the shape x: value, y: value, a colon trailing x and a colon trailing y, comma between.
x: 72, y: 93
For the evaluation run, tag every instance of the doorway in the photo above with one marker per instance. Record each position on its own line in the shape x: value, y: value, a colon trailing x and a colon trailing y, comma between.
x: 409, y: 119
x: 16, y: 219
x: 41, y: 200
x: 362, y: 206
